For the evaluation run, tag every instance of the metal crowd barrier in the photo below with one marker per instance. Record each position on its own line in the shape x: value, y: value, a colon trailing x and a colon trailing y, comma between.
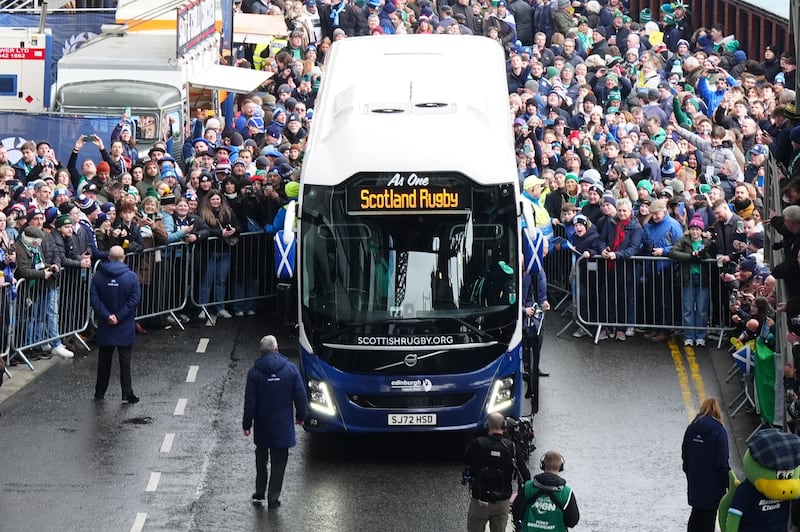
x: 643, y: 292
x: 45, y: 311
x: 164, y: 279
x: 7, y: 291
x: 233, y: 277
x: 558, y: 266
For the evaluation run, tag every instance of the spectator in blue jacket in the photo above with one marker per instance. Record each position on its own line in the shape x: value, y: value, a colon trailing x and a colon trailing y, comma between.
x: 714, y: 96
x: 274, y: 397
x: 115, y: 295
x: 705, y: 461
x: 661, y: 233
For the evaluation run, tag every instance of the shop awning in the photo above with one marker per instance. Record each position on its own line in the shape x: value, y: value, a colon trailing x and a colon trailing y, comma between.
x: 258, y: 29
x: 228, y: 78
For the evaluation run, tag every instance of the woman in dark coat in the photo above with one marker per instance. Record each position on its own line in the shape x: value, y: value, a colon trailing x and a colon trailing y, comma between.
x: 705, y: 461
x: 587, y: 243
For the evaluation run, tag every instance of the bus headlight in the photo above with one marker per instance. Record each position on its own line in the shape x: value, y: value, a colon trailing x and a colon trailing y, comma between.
x: 320, y: 398
x: 502, y: 395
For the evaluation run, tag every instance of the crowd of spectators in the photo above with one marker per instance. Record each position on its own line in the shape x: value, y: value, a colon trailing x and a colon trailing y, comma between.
x: 636, y: 134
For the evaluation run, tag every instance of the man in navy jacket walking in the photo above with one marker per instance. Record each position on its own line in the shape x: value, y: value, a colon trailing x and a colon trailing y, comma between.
x: 115, y: 295
x: 274, y: 398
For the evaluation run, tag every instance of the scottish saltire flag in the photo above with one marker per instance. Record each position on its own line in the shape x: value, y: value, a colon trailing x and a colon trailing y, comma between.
x: 744, y: 357
x: 533, y: 243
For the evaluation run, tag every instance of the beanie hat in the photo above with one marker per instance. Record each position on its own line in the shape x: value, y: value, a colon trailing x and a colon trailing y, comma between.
x: 645, y: 184
x: 658, y: 206
x: 108, y: 207
x: 794, y: 135
x: 389, y: 8
x: 668, y: 170
x: 292, y: 189
x: 609, y: 198
x: 274, y: 130
x: 64, y: 208
x: 570, y: 177
x: 59, y: 190
x: 103, y: 166
x: 697, y: 221
x: 256, y: 122
x: 563, y: 4
x: 50, y: 215
x: 63, y: 220
x: 86, y: 204
x: 33, y: 211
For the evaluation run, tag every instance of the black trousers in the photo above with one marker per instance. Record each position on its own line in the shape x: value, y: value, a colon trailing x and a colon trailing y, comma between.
x: 104, y: 369
x: 702, y: 520
x: 278, y: 459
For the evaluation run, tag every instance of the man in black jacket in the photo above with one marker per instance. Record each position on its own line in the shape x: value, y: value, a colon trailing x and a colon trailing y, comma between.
x: 344, y: 15
x: 490, y: 461
x: 523, y: 17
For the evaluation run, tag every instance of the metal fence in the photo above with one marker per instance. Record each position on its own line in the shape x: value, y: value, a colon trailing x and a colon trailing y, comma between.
x: 229, y: 277
x: 558, y: 265
x: 164, y: 279
x: 43, y: 312
x: 649, y: 292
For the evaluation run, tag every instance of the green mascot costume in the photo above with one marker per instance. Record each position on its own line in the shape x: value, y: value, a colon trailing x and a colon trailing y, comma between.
x: 761, y: 502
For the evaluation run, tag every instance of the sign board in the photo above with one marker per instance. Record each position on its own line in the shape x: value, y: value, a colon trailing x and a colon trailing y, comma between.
x: 22, y: 53
x: 407, y: 193
x: 196, y: 22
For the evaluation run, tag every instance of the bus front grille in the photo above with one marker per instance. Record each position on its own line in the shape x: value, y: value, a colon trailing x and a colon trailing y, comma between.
x: 410, y: 400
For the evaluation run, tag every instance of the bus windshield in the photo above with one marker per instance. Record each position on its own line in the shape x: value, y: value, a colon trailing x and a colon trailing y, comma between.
x: 445, y: 270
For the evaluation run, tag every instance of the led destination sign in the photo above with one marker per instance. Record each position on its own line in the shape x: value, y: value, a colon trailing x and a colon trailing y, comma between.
x: 406, y: 193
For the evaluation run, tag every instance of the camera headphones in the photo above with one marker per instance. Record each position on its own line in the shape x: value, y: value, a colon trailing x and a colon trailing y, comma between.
x: 552, y: 454
x: 486, y: 424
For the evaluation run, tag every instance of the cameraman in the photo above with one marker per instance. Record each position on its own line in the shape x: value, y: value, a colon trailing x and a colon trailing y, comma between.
x: 489, y: 465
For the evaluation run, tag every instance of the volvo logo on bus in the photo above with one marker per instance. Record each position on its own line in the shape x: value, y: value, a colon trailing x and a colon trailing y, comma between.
x: 410, y: 360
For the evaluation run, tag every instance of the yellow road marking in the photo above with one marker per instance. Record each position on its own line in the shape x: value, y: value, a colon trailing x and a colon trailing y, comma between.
x: 683, y: 379
x: 694, y: 369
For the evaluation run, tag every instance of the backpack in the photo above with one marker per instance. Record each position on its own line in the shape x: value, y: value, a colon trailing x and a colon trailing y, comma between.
x: 494, y: 469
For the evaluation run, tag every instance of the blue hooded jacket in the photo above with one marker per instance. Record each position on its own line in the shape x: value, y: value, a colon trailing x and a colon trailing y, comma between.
x: 115, y: 290
x: 273, y: 386
x: 705, y: 462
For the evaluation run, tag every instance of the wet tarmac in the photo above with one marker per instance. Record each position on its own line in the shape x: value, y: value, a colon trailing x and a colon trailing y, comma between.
x: 178, y: 459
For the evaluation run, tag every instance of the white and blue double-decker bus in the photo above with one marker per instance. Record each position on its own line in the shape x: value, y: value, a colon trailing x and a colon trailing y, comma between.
x: 409, y: 239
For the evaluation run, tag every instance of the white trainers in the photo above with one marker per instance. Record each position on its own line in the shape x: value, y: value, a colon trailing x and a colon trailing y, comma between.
x: 579, y: 333
x: 603, y: 335
x: 238, y: 313
x: 224, y: 314
x: 630, y: 332
x: 251, y: 312
x: 689, y: 342
x: 202, y: 315
x: 700, y: 342
x: 62, y: 351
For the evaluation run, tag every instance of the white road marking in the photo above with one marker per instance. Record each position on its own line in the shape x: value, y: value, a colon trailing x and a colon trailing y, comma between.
x: 202, y: 345
x: 192, y: 376
x: 169, y: 438
x: 180, y: 407
x: 138, y: 523
x: 152, y: 485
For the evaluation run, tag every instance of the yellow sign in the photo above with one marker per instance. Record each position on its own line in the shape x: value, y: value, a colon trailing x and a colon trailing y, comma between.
x: 408, y: 199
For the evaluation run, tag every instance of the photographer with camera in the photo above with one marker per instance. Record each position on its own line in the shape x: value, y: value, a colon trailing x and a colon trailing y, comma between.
x: 490, y: 462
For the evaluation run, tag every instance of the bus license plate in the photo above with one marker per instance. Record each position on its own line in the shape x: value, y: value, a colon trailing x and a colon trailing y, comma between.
x: 412, y: 419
